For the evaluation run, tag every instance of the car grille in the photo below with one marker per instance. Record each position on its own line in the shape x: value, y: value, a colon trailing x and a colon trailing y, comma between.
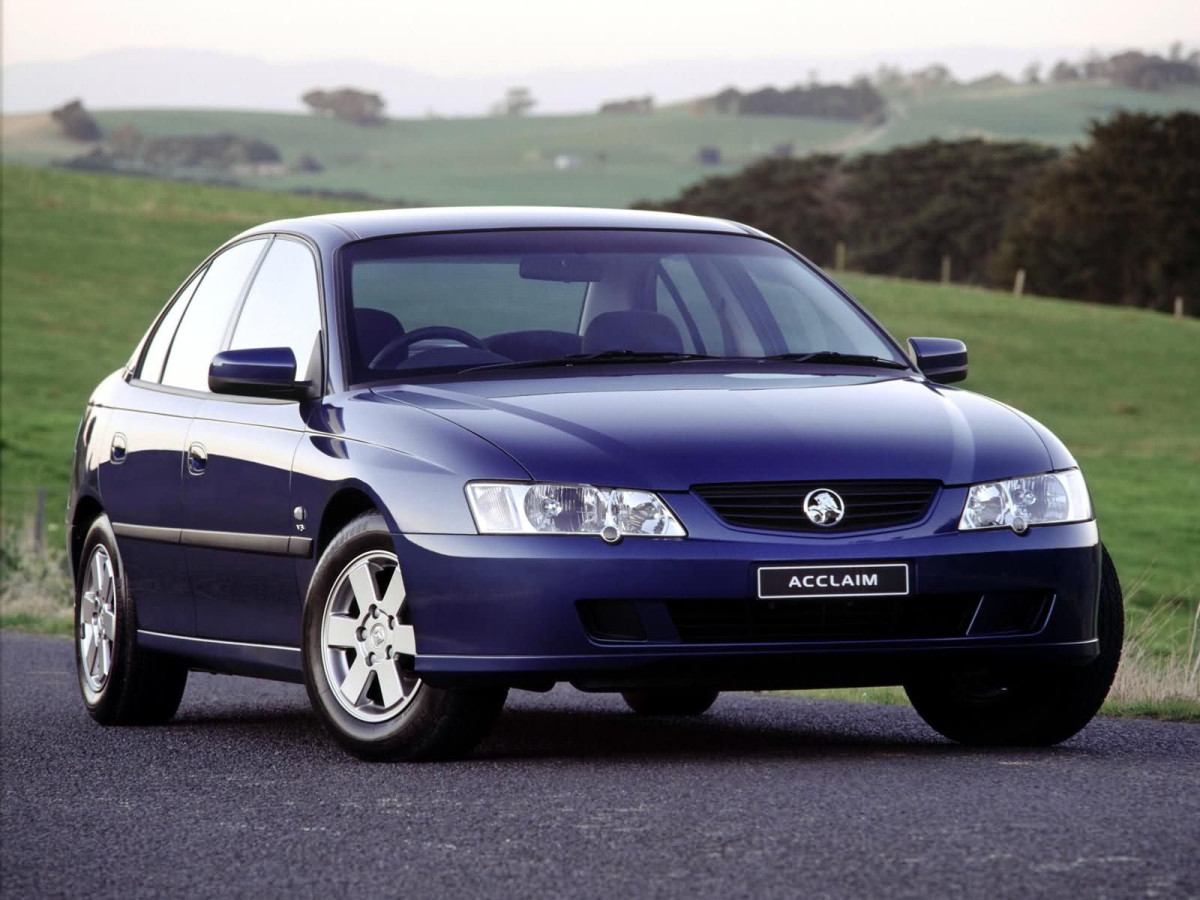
x: 857, y: 618
x: 779, y: 506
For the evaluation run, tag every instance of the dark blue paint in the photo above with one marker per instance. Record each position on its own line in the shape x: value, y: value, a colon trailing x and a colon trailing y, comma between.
x: 257, y: 372
x: 942, y: 360
x: 244, y: 489
x: 669, y: 430
x: 145, y: 490
x: 503, y: 608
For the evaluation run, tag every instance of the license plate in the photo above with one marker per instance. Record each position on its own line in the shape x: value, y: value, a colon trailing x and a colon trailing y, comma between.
x: 868, y: 580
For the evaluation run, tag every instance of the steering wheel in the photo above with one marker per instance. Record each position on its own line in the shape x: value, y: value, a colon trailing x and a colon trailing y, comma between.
x: 392, y: 348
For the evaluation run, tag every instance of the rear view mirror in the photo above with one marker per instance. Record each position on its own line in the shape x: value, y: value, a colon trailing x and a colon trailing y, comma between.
x: 258, y: 372
x: 940, y: 359
x: 565, y: 267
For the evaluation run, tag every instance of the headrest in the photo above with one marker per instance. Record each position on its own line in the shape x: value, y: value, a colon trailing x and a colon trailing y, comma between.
x: 374, y: 328
x: 632, y: 329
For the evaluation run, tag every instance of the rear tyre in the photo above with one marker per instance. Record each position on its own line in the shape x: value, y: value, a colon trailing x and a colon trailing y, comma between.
x: 121, y: 683
x: 358, y: 648
x: 1038, y: 710
x: 688, y: 701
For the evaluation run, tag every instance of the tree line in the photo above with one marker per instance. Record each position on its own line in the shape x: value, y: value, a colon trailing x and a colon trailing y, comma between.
x: 858, y: 101
x: 1115, y: 220
x: 1129, y: 68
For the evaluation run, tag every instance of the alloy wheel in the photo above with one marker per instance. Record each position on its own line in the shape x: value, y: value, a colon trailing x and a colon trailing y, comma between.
x: 97, y: 627
x: 365, y: 642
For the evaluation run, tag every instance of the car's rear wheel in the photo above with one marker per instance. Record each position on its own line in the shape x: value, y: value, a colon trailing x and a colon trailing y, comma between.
x: 121, y: 683
x: 686, y: 701
x: 992, y: 708
x: 358, y: 649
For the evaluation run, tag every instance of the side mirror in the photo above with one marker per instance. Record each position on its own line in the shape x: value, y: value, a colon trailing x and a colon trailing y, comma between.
x: 258, y: 372
x: 940, y: 359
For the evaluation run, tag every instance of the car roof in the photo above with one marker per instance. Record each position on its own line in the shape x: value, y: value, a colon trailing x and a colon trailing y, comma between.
x: 385, y: 222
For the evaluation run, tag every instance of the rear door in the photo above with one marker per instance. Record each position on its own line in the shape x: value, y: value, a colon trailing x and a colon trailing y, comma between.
x: 139, y: 477
x: 240, y: 530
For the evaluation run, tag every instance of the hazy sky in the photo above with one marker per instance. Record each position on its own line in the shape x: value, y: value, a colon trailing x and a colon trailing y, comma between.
x: 487, y: 38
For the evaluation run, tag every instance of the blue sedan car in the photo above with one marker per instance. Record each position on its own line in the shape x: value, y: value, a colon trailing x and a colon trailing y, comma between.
x: 415, y: 459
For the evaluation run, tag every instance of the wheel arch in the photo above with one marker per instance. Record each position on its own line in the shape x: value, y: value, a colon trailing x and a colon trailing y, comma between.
x: 87, y: 510
x: 346, y: 504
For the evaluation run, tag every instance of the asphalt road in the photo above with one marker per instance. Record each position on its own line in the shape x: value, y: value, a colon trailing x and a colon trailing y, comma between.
x: 572, y: 796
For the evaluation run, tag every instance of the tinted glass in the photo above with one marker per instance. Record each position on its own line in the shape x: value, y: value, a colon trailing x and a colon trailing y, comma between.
x: 204, y: 322
x: 681, y: 298
x: 498, y: 297
x: 810, y: 316
x: 156, y: 353
x: 282, y: 308
x: 481, y: 295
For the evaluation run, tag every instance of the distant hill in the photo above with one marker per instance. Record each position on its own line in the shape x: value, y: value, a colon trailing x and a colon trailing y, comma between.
x: 594, y: 160
x: 137, y: 78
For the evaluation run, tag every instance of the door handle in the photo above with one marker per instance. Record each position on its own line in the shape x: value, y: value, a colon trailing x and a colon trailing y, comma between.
x: 117, y: 451
x: 197, y: 459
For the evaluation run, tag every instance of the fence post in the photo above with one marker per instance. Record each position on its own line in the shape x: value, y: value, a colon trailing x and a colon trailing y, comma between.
x: 1019, y: 283
x: 839, y: 256
x: 1179, y: 307
x: 39, y: 522
x: 946, y: 269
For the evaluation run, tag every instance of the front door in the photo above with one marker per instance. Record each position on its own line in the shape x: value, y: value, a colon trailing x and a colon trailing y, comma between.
x: 241, y: 536
x: 239, y: 532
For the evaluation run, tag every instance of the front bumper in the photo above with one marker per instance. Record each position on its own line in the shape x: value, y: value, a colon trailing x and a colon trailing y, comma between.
x: 505, y: 609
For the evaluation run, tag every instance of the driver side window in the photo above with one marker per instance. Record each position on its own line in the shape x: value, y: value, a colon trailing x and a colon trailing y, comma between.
x: 283, y: 307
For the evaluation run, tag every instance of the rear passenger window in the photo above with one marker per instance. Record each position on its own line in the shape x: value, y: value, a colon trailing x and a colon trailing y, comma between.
x: 283, y: 308
x: 202, y: 329
x: 156, y: 353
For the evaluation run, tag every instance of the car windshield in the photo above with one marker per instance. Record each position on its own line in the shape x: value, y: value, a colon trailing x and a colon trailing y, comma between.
x: 464, y: 301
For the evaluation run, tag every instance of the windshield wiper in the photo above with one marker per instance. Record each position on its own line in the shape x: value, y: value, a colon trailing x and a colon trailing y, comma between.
x: 834, y: 357
x: 643, y: 356
x: 605, y: 356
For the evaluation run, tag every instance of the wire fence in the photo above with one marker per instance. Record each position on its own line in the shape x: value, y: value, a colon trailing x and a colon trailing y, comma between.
x: 1178, y: 307
x: 36, y: 509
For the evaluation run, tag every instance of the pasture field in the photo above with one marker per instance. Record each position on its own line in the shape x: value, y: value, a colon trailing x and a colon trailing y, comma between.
x: 618, y: 158
x: 87, y: 260
x: 482, y: 161
x: 1056, y: 114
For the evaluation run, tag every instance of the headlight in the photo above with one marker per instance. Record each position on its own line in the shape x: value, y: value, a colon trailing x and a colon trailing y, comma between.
x: 1018, y: 503
x: 612, y: 513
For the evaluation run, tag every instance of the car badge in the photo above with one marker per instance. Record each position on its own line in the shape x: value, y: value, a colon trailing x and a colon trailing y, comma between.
x: 824, y: 507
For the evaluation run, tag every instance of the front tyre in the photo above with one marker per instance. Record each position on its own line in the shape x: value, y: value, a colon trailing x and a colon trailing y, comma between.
x: 358, y: 648
x: 121, y: 683
x: 990, y: 709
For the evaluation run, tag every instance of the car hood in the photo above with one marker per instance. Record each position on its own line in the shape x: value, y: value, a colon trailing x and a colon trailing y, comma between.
x: 670, y: 431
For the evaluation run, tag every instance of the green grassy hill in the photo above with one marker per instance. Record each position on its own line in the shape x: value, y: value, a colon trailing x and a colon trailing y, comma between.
x: 484, y: 160
x: 622, y: 158
x: 88, y: 260
x: 1056, y: 114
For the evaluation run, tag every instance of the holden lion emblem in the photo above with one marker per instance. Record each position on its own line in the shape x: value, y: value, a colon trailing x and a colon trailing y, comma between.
x: 824, y: 507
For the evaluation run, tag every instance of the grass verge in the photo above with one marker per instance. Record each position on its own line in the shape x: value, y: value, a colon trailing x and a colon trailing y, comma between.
x: 35, y: 581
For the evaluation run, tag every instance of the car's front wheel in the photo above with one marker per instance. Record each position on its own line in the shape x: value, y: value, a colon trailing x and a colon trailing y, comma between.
x: 990, y: 708
x: 358, y: 649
